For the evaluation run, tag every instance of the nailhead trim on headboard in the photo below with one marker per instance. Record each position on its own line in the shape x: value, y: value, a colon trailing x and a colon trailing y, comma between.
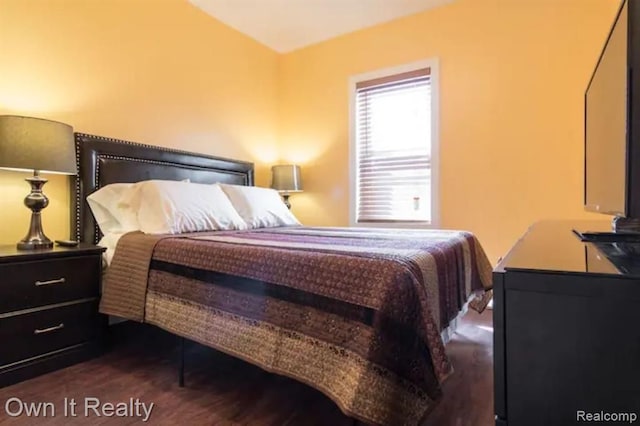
x: 143, y: 145
x: 77, y: 190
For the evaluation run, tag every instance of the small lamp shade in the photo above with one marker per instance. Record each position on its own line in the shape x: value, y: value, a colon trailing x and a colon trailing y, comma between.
x: 286, y: 178
x: 28, y: 143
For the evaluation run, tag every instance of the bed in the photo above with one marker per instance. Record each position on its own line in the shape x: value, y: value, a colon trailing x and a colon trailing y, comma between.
x: 354, y: 313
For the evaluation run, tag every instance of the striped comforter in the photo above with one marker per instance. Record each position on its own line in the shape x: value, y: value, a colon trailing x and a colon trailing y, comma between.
x: 355, y: 313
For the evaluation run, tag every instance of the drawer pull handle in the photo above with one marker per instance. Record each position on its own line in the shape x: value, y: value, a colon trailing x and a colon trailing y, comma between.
x: 48, y: 330
x: 58, y: 281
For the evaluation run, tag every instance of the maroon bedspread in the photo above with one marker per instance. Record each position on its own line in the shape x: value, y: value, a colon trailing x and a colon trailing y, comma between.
x: 355, y: 313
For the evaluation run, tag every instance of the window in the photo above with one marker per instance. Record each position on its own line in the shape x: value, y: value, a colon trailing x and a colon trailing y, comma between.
x: 393, y: 147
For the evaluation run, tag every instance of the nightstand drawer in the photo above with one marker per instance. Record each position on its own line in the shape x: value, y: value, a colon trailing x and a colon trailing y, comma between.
x: 44, y: 282
x: 32, y: 334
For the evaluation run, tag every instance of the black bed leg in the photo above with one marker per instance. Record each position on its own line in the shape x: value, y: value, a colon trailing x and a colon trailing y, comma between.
x: 181, y: 367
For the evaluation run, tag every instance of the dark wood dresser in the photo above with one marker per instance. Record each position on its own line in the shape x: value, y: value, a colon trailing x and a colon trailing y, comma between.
x: 48, y: 309
x: 566, y: 328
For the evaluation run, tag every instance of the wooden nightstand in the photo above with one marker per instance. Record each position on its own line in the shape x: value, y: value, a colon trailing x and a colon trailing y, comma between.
x: 48, y: 309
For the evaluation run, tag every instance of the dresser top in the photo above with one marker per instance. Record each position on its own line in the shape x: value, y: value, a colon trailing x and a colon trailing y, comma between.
x: 553, y: 246
x: 9, y: 253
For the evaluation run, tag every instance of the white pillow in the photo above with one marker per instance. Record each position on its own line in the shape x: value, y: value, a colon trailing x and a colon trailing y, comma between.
x: 168, y: 207
x: 111, y: 216
x: 114, y: 207
x: 259, y: 207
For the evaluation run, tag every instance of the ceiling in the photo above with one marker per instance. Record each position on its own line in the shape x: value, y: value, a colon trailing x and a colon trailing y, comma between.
x: 286, y: 25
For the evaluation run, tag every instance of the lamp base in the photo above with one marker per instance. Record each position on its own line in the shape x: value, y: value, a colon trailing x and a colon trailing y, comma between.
x: 35, y: 245
x: 36, y: 201
x: 286, y: 201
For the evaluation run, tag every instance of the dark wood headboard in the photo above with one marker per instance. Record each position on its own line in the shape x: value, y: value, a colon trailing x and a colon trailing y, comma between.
x: 102, y: 161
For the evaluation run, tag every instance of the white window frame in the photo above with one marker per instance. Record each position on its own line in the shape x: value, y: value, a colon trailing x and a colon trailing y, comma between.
x: 433, y: 65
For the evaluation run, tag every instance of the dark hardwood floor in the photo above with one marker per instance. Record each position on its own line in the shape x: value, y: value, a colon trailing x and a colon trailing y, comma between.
x: 221, y: 390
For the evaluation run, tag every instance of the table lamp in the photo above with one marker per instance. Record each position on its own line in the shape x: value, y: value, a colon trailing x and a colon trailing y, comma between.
x: 285, y: 179
x: 34, y: 144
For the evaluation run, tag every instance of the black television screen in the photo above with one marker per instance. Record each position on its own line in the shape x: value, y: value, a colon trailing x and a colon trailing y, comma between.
x: 606, y: 125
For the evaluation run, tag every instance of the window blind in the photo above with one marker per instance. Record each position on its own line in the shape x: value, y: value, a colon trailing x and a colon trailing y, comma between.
x: 393, y: 148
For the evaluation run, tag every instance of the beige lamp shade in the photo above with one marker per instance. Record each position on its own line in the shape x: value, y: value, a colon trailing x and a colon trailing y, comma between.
x: 28, y: 143
x: 286, y: 178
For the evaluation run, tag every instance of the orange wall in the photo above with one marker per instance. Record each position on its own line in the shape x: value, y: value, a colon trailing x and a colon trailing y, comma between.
x: 512, y: 73
x: 159, y: 71
x: 512, y: 79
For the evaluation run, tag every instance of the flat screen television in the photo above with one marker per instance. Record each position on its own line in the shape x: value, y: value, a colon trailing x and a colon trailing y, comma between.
x: 612, y: 124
